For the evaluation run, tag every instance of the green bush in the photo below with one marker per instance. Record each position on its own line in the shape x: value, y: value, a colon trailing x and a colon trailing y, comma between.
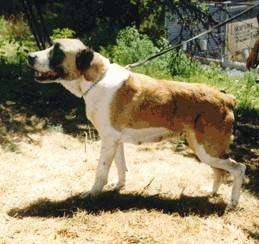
x: 181, y: 65
x: 131, y: 46
x: 62, y: 33
x: 16, y: 41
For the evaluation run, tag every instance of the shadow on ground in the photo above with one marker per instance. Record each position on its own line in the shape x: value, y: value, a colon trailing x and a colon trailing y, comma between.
x: 112, y: 201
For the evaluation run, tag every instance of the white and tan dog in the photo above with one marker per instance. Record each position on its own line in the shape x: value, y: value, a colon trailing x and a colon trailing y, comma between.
x: 130, y: 107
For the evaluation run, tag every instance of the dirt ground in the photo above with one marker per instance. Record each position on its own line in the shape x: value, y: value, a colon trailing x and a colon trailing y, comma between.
x: 165, y: 201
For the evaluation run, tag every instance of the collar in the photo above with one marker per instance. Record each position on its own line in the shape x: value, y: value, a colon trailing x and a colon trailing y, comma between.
x: 90, y: 88
x: 94, y: 84
x: 107, y: 63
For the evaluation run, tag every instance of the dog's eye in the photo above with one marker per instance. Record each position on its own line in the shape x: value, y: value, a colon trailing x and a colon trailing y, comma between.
x: 56, y: 56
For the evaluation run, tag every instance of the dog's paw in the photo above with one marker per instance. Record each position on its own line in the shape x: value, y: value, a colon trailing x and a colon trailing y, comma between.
x: 89, y: 194
x: 115, y: 186
x: 208, y: 191
x: 231, y: 206
x: 84, y: 195
x: 213, y: 194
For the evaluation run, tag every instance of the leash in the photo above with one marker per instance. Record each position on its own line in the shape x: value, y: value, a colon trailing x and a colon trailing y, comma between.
x: 143, y: 61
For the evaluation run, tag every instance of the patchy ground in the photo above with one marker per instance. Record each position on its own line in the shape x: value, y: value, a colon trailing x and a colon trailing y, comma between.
x: 165, y: 199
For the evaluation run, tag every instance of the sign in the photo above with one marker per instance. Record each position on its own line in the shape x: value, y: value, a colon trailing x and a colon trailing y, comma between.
x: 241, y: 36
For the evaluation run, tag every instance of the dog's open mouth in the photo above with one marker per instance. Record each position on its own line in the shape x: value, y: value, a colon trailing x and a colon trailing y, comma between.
x: 45, y: 76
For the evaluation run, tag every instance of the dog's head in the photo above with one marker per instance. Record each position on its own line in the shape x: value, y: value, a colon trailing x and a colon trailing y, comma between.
x: 66, y: 60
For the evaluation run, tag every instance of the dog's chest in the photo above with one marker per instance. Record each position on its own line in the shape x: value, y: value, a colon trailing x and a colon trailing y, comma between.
x: 99, y: 99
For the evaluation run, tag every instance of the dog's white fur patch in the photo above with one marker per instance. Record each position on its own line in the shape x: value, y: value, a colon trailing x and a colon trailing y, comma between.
x: 42, y: 62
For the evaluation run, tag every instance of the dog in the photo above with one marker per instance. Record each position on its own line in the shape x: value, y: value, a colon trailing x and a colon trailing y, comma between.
x: 134, y: 108
x: 253, y: 58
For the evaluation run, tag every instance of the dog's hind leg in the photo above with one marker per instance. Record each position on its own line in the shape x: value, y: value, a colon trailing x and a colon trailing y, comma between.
x: 237, y: 170
x: 218, y: 175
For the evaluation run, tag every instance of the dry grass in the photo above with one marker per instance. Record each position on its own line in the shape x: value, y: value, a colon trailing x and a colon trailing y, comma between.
x: 165, y: 199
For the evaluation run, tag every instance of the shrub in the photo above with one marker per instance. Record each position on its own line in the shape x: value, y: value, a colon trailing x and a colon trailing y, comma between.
x: 62, y: 33
x: 15, y: 42
x: 131, y: 46
x: 181, y: 65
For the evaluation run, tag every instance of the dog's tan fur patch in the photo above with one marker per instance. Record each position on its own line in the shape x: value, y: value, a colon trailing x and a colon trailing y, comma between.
x: 97, y: 69
x: 144, y: 102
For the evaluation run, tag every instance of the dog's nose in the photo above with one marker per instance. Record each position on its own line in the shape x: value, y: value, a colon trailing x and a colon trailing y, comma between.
x: 31, y: 59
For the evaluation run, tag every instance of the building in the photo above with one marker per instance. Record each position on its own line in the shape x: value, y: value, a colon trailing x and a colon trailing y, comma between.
x: 229, y: 43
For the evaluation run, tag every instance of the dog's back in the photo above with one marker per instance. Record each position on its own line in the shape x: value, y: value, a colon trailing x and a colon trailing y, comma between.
x: 143, y: 102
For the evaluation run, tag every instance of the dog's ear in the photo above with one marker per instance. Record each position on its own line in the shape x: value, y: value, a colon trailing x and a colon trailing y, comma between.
x: 84, y: 58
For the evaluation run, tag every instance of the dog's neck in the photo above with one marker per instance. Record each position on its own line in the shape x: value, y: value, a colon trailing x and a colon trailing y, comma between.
x: 97, y: 69
x: 76, y: 87
x: 95, y: 73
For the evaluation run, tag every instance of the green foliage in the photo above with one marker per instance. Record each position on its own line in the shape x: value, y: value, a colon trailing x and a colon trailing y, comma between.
x: 16, y: 41
x: 131, y: 46
x: 181, y: 65
x: 247, y: 93
x: 62, y: 33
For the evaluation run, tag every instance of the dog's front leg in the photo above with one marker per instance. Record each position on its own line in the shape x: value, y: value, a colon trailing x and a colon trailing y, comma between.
x: 108, y: 150
x: 121, y: 166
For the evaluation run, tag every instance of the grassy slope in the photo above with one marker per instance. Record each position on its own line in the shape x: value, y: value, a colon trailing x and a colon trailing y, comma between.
x: 165, y: 199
